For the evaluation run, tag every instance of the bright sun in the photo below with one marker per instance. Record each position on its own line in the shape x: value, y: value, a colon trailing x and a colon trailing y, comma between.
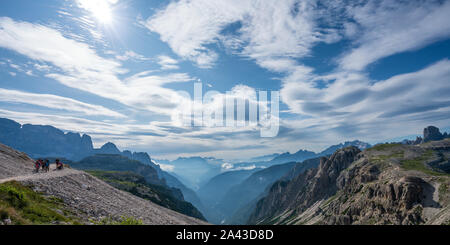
x: 104, y: 15
x: 100, y: 9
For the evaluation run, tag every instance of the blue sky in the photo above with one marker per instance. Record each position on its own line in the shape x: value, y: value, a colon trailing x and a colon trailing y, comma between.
x: 368, y: 70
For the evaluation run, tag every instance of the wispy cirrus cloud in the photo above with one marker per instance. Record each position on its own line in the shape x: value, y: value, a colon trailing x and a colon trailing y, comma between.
x: 131, y: 55
x: 384, y: 28
x: 268, y: 28
x: 167, y: 62
x: 56, y: 102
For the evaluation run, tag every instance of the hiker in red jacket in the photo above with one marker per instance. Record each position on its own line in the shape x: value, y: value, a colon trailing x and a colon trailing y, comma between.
x: 59, y: 165
x: 38, y: 165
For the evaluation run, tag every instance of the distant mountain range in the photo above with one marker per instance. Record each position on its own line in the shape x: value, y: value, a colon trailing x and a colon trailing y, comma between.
x: 332, y: 149
x: 300, y: 155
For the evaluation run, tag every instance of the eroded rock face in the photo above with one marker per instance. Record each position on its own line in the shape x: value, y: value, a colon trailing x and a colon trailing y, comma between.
x: 142, y: 157
x: 44, y: 141
x: 396, y: 202
x: 307, y: 188
x: 432, y: 133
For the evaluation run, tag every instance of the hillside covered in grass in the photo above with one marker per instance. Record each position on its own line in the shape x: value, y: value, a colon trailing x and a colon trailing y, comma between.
x: 20, y: 205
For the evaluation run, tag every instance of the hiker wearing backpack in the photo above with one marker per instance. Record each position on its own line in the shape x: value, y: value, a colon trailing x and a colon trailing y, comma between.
x: 37, y: 165
x: 46, y: 166
x: 59, y: 165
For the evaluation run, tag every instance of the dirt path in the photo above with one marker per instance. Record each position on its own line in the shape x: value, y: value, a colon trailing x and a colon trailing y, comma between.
x: 431, y: 201
x: 53, y: 173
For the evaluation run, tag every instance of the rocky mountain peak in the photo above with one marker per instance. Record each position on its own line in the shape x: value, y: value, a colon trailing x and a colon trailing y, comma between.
x: 432, y: 133
x: 109, y: 148
x: 44, y: 140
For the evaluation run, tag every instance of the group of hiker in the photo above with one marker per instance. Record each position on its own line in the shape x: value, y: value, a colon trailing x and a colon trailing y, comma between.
x: 45, y: 165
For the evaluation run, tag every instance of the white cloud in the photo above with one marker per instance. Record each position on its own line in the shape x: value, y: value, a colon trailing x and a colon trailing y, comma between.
x: 354, y: 103
x: 53, y: 47
x: 131, y: 55
x: 269, y: 29
x: 166, y: 167
x: 391, y: 27
x: 199, y: 28
x: 55, y: 102
x: 167, y: 62
x: 42, y: 67
x: 274, y: 32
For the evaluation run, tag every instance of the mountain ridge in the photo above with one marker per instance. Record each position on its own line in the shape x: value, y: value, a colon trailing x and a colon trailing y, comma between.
x: 387, y: 184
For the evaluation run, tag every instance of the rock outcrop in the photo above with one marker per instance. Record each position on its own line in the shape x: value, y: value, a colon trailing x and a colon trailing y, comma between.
x: 44, y: 141
x: 431, y: 133
x: 108, y: 148
x: 307, y: 188
x: 386, y: 184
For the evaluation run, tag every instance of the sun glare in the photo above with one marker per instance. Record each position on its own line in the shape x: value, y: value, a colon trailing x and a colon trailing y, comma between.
x: 103, y: 15
x: 100, y: 9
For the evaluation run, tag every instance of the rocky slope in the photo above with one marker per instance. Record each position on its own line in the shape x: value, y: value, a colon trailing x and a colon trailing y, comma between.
x: 14, y: 162
x: 84, y: 195
x: 386, y: 184
x: 135, y: 184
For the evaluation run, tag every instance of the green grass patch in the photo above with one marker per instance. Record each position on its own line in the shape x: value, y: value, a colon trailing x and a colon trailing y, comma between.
x: 383, y: 147
x: 24, y: 206
x: 419, y: 164
x: 443, y: 191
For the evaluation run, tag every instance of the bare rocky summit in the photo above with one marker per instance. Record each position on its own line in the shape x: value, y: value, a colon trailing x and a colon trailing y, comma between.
x: 87, y: 196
